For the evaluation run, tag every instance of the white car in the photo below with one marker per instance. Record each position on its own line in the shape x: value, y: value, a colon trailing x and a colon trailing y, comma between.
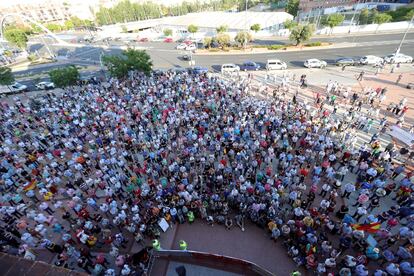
x: 229, y: 68
x: 398, y: 58
x: 18, y: 87
x: 371, y: 60
x: 315, y: 63
x: 275, y: 64
x: 45, y: 85
x: 181, y: 46
x: 14, y: 88
x: 191, y: 47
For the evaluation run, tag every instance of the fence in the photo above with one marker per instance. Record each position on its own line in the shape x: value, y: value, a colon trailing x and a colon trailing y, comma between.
x: 215, y: 261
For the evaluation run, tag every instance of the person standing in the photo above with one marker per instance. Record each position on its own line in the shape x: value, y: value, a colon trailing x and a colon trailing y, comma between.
x: 399, y: 78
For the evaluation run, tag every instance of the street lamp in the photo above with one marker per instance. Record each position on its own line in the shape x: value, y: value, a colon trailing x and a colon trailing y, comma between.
x: 405, y: 34
x: 353, y: 16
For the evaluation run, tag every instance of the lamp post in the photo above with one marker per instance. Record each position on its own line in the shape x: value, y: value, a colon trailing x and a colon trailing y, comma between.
x: 353, y: 17
x: 405, y: 34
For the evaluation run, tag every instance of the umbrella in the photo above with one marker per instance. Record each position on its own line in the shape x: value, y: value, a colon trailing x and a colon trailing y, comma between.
x: 267, y: 187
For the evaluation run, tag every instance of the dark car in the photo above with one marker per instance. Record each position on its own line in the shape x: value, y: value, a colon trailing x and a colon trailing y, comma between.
x: 187, y: 57
x: 345, y: 62
x: 410, y: 85
x: 199, y: 70
x: 250, y: 66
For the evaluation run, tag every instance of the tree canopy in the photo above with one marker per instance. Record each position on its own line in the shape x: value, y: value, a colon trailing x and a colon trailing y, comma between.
x: 129, y: 60
x: 222, y: 29
x: 66, y: 76
x: 223, y: 40
x: 168, y: 32
x: 17, y: 37
x: 6, y: 76
x: 255, y: 27
x: 301, y: 33
x: 382, y: 18
x: 192, y: 28
x: 292, y: 7
x: 290, y: 24
x: 243, y: 37
x: 333, y: 20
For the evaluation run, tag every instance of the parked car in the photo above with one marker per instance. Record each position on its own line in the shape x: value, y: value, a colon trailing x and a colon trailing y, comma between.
x: 45, y: 85
x: 314, y: 63
x: 275, y: 64
x: 168, y: 40
x: 181, y: 46
x: 187, y: 57
x: 143, y: 39
x: 345, y: 62
x: 250, y: 66
x: 398, y: 58
x: 410, y: 85
x: 187, y: 42
x: 199, y: 70
x: 191, y: 47
x: 230, y: 67
x: 370, y: 60
x: 14, y: 88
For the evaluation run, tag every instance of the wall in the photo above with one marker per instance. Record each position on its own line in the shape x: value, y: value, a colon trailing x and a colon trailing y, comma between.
x: 366, y: 28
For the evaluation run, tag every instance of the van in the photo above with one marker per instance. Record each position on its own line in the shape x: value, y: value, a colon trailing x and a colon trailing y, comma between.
x: 275, y: 64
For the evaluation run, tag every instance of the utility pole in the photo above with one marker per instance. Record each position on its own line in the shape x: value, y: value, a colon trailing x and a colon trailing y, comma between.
x: 246, y: 36
x: 405, y: 34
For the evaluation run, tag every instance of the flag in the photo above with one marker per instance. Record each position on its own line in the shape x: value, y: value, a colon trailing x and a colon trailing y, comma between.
x: 29, y: 186
x: 369, y: 227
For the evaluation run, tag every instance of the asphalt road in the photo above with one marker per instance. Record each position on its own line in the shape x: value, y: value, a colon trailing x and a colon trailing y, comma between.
x: 165, y: 56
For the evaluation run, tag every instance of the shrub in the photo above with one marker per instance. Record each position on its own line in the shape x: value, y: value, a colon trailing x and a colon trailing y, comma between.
x: 313, y: 44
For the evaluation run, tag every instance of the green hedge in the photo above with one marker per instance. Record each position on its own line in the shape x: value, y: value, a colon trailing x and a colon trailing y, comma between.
x: 313, y: 44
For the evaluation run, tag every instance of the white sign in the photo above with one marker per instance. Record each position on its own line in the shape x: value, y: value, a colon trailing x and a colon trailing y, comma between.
x: 402, y: 135
x: 163, y: 224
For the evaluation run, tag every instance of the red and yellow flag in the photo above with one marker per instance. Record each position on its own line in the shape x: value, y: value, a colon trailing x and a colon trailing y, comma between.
x: 369, y: 227
x: 29, y: 186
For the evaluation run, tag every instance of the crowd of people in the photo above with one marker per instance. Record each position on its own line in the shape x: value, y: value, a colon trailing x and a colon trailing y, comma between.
x: 91, y: 170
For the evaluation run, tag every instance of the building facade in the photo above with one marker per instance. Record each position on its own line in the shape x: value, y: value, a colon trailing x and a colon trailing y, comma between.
x: 309, y: 5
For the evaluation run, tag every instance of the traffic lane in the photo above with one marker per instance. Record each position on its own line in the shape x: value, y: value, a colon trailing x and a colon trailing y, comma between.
x: 341, y: 39
x: 296, y: 59
x: 31, y: 83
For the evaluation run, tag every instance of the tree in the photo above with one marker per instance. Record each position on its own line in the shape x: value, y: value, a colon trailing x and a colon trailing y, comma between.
x: 223, y: 40
x: 301, y: 33
x: 6, y: 76
x: 255, y: 27
x: 243, y: 38
x: 290, y: 24
x: 36, y: 29
x: 372, y: 15
x: 409, y: 15
x: 16, y: 37
x: 168, y: 32
x: 192, y: 29
x: 66, y: 76
x: 129, y: 60
x: 208, y: 41
x: 333, y: 20
x: 222, y: 29
x: 54, y: 27
x: 382, y: 18
x: 363, y: 17
x: 292, y: 7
